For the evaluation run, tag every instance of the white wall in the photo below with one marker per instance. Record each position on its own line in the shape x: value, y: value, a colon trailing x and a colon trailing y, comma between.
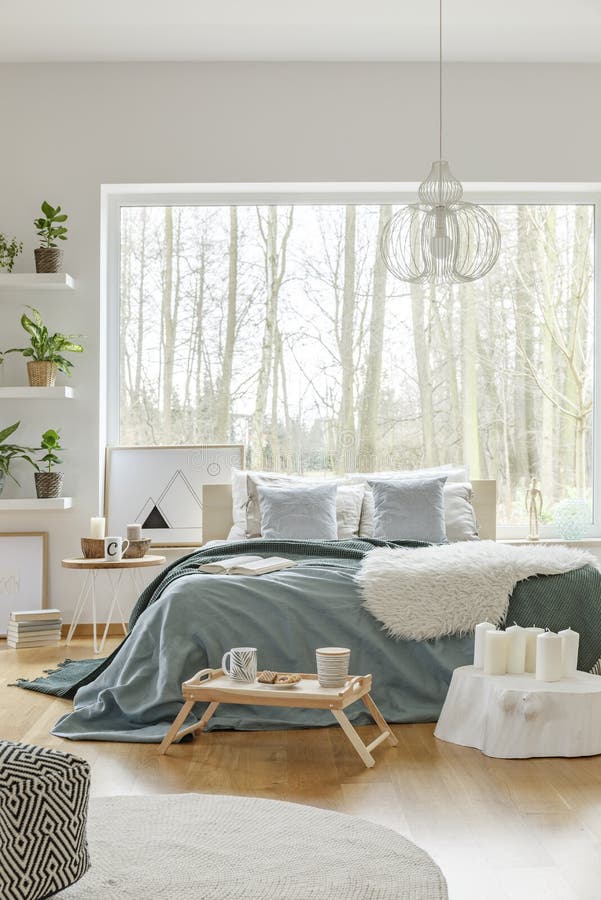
x: 67, y: 129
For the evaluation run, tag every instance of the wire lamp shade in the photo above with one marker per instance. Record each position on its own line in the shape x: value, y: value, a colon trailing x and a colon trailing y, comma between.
x: 441, y: 239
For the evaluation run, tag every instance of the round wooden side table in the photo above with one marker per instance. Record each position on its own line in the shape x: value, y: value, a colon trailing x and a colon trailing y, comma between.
x: 91, y: 567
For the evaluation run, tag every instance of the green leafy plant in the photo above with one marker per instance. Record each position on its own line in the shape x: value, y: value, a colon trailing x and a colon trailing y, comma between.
x: 49, y: 226
x: 45, y: 347
x: 9, y: 252
x: 51, y: 443
x: 10, y: 452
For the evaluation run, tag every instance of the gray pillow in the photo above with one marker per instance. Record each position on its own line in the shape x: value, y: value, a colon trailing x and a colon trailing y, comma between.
x: 302, y: 513
x: 411, y: 510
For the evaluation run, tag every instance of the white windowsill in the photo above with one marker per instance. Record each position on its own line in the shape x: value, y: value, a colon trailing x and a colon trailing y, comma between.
x: 583, y: 542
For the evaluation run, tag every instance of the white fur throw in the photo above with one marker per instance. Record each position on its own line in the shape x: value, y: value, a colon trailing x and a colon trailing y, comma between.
x: 427, y: 592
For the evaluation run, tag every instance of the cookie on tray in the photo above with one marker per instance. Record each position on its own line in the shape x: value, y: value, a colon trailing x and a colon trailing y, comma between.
x: 287, y: 678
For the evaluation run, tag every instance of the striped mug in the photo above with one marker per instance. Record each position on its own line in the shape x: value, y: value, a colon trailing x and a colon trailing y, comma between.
x: 243, y: 663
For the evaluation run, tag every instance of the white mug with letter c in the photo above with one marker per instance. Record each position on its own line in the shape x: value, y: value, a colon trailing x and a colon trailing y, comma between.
x: 243, y: 663
x: 114, y: 548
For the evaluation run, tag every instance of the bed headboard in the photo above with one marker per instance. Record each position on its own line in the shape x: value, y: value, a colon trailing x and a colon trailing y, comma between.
x: 484, y: 501
x: 217, y: 510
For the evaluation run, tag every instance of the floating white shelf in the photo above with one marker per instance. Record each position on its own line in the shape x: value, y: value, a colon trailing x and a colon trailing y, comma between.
x: 33, y: 504
x: 18, y: 281
x: 24, y: 392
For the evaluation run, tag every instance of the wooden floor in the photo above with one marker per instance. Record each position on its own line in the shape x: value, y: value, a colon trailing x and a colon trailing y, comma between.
x: 499, y: 829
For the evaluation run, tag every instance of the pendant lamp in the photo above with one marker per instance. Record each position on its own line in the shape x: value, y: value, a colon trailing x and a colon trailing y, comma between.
x: 441, y: 239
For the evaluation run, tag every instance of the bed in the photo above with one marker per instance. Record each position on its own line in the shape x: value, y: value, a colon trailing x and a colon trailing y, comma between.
x: 186, y: 619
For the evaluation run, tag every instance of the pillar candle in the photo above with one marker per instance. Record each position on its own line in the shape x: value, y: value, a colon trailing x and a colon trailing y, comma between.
x: 97, y: 528
x: 134, y: 532
x: 516, y: 650
x: 479, y: 635
x: 495, y: 652
x: 531, y: 636
x: 548, y: 657
x: 569, y: 652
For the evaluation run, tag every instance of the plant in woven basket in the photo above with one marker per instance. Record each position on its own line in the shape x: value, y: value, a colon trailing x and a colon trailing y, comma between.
x: 9, y: 252
x: 45, y: 352
x: 50, y: 229
x: 11, y: 452
x: 49, y: 483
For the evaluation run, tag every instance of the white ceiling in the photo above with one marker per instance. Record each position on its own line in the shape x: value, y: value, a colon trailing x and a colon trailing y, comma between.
x: 298, y: 30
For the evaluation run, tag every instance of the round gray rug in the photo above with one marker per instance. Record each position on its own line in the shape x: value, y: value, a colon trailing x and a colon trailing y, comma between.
x: 194, y: 846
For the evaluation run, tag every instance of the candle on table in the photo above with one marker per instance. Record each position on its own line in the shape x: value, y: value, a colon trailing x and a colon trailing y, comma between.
x: 569, y: 652
x: 97, y: 528
x: 495, y: 652
x: 548, y: 657
x: 134, y: 532
x: 479, y: 635
x: 516, y: 650
x: 531, y: 636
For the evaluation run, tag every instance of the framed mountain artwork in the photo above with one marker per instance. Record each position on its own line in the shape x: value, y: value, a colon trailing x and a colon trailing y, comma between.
x: 161, y: 489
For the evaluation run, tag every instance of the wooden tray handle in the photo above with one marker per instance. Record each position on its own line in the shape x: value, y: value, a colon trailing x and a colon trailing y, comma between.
x: 203, y: 675
x: 355, y: 684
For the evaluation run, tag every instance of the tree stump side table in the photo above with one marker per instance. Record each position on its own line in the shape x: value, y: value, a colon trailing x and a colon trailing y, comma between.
x: 517, y: 717
x: 91, y: 567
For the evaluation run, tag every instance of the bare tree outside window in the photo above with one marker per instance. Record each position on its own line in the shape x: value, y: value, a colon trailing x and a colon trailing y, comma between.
x: 279, y: 327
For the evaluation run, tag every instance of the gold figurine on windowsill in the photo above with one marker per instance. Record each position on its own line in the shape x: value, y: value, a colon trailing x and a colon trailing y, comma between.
x: 534, y: 508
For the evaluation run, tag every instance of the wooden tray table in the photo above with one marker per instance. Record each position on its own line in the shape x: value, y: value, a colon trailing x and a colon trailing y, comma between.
x: 213, y: 686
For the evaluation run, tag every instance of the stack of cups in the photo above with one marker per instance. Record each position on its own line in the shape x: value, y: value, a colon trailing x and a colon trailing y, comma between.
x: 332, y: 666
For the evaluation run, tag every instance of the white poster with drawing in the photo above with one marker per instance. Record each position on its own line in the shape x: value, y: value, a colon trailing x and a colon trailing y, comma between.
x: 161, y: 488
x: 22, y: 574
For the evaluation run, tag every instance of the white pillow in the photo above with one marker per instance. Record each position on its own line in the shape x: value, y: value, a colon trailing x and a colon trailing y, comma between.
x: 459, y: 515
x: 236, y: 533
x: 460, y: 518
x: 349, y: 503
x: 451, y: 472
x: 245, y: 503
x: 239, y: 498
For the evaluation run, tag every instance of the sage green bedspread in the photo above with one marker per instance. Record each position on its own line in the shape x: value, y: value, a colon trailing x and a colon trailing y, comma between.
x: 185, y: 620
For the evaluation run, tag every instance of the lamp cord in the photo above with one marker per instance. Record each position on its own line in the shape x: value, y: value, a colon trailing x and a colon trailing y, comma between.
x: 440, y: 79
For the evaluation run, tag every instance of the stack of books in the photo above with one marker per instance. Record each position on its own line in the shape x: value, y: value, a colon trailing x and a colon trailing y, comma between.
x: 34, y: 628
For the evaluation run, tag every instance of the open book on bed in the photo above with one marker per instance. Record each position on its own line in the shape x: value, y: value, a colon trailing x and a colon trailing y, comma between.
x: 247, y: 565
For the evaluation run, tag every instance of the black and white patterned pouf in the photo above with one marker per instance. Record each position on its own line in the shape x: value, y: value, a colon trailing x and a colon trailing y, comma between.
x: 43, y: 814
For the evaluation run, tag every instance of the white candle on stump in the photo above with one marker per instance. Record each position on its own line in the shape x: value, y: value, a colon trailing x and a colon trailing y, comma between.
x: 531, y: 636
x: 548, y: 657
x: 570, y: 641
x: 516, y: 650
x: 479, y: 635
x: 495, y: 652
x: 97, y: 528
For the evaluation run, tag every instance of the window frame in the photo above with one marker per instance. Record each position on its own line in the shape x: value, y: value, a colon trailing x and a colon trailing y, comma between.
x: 115, y: 197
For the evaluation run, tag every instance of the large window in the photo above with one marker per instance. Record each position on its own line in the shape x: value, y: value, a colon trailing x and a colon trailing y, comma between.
x: 278, y: 326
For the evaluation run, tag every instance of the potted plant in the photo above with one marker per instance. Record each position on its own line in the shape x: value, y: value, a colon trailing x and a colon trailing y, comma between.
x: 9, y: 453
x: 48, y: 483
x: 9, y: 252
x: 50, y: 228
x: 45, y: 352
